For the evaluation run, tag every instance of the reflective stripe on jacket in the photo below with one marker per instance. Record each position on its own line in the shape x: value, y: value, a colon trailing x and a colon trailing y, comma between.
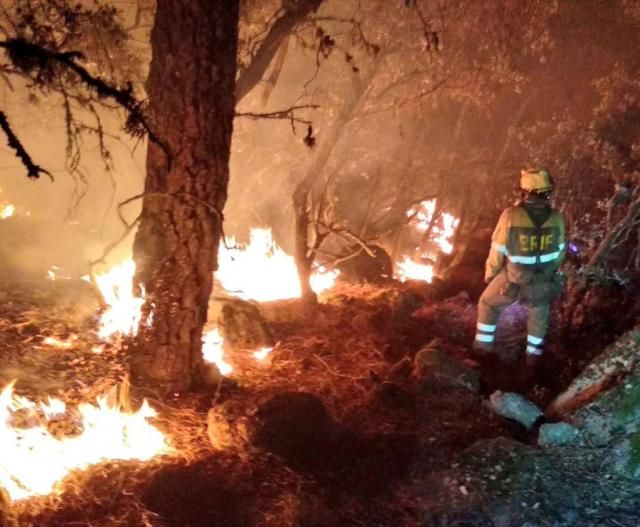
x: 525, y: 248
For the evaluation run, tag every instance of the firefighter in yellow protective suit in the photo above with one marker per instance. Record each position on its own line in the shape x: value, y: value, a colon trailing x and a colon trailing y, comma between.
x: 527, y: 250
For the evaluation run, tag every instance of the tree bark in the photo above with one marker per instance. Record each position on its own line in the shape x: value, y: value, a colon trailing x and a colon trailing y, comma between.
x: 191, y: 90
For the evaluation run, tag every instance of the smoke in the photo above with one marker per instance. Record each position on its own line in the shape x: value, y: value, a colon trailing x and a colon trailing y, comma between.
x: 67, y: 222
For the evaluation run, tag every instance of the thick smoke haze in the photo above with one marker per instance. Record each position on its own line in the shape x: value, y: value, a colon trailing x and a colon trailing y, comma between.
x: 452, y: 101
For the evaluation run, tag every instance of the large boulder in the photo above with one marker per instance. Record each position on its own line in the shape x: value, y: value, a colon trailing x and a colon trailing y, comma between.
x: 241, y: 323
x: 436, y: 370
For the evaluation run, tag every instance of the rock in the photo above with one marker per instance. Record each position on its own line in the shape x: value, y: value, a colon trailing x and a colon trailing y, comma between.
x: 436, y: 370
x: 557, y: 434
x: 241, y: 323
x: 515, y: 406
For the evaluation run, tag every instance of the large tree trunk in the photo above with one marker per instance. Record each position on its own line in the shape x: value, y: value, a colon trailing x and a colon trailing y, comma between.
x: 191, y: 94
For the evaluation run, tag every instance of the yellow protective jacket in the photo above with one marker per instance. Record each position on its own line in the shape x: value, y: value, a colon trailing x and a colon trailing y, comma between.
x: 525, y: 248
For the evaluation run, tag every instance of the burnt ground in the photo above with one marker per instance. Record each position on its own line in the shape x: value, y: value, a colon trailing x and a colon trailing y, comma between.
x: 335, y: 430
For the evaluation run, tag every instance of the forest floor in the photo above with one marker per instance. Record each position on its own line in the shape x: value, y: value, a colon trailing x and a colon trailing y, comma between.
x: 337, y: 429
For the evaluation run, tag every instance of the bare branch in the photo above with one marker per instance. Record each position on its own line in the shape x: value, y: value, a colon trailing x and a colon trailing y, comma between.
x: 286, y: 114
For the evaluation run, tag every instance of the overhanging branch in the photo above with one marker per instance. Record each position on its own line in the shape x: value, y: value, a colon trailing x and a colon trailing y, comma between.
x: 28, y: 57
x: 33, y: 170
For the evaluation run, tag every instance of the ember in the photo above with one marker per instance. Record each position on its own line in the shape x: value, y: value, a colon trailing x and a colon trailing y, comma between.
x: 67, y: 343
x: 7, y: 211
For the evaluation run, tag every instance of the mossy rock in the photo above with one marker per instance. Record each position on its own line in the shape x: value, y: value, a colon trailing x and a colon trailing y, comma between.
x: 436, y: 370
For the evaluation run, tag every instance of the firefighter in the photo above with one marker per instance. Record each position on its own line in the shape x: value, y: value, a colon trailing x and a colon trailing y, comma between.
x: 527, y: 250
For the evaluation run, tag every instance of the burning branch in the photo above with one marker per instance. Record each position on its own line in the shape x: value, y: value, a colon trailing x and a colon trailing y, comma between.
x: 33, y: 170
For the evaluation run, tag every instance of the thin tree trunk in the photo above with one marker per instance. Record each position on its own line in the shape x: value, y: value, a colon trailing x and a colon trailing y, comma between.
x: 191, y: 94
x: 304, y: 257
x: 277, y: 35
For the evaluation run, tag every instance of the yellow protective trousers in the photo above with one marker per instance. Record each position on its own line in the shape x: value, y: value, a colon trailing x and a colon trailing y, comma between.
x: 501, y: 293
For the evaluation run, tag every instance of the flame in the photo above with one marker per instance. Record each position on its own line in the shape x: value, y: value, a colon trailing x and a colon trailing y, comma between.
x: 34, y: 462
x: 443, y: 227
x: 262, y: 271
x: 422, y: 213
x: 213, y: 352
x: 444, y: 232
x: 7, y: 211
x: 123, y: 313
x: 407, y: 269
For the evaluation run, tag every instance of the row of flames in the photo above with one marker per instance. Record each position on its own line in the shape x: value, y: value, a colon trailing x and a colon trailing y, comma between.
x: 35, y: 461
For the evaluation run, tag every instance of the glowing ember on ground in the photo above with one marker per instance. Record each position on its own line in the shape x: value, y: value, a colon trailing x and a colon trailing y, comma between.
x: 6, y: 211
x: 61, y: 343
x: 262, y: 271
x: 123, y: 313
x: 55, y: 273
x: 34, y: 462
x: 213, y: 352
x: 262, y: 354
x: 439, y: 230
x: 97, y: 349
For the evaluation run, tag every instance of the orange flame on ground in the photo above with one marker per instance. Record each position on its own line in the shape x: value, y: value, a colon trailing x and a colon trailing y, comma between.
x: 262, y: 271
x: 213, y: 351
x: 34, y: 462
